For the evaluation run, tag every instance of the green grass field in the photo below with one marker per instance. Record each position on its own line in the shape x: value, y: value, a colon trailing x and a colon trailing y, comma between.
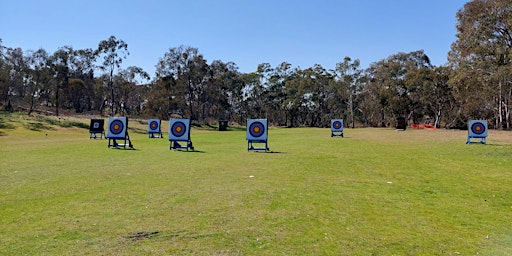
x: 373, y: 192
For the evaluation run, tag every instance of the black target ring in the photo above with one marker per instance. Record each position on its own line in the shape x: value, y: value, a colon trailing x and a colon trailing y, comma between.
x: 478, y: 128
x: 116, y: 127
x: 153, y: 125
x: 178, y: 129
x: 256, y: 129
x: 336, y: 125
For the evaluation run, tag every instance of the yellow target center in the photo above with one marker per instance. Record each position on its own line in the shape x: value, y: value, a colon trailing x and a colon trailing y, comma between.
x: 478, y: 128
x: 178, y: 129
x: 256, y: 129
x: 116, y: 127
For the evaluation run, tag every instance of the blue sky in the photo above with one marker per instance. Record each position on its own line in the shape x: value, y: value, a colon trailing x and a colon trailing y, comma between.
x: 248, y: 33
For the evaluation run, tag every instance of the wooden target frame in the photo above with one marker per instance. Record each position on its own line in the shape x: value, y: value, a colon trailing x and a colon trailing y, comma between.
x: 477, y: 129
x: 154, y: 128
x: 257, y: 133
x: 97, y: 126
x: 179, y: 131
x: 337, y: 128
x: 117, y: 131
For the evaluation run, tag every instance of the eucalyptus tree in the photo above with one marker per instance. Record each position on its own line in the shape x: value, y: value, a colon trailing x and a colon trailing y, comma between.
x: 481, y: 58
x: 16, y: 65
x: 112, y: 52
x: 131, y: 91
x: 184, y: 72
x: 348, y: 76
x: 4, y: 73
x: 60, y: 62
x: 387, y: 80
x: 223, y: 91
x: 38, y: 78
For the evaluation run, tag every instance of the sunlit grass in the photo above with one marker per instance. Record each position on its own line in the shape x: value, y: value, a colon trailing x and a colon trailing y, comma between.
x: 374, y: 192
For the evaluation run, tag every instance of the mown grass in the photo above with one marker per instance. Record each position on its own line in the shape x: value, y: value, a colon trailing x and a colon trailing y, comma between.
x: 374, y: 192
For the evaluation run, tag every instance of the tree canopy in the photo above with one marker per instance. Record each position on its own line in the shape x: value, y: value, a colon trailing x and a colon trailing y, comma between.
x: 476, y: 83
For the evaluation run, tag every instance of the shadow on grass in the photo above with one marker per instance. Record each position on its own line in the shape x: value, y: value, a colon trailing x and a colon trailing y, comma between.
x: 63, y: 123
x: 189, y: 151
x: 37, y: 126
x: 268, y: 152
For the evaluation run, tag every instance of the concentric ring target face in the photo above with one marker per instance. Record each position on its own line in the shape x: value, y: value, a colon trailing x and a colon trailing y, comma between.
x: 337, y: 125
x: 96, y: 125
x: 116, y: 127
x: 257, y: 129
x: 154, y: 125
x: 478, y: 128
x: 178, y: 129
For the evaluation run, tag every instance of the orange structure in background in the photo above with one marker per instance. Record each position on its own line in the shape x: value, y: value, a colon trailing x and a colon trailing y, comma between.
x: 423, y: 126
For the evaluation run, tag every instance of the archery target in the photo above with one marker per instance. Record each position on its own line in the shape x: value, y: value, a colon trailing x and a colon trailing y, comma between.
x: 337, y: 125
x: 179, y: 129
x: 256, y: 129
x: 154, y: 125
x: 117, y: 127
x: 97, y: 125
x: 477, y: 128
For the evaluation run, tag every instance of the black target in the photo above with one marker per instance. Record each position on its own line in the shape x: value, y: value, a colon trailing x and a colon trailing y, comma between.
x: 178, y: 129
x: 116, y: 127
x: 478, y: 128
x: 257, y: 129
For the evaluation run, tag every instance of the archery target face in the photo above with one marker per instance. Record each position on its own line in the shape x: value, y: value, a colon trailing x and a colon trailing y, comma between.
x: 337, y: 125
x: 256, y: 129
x: 117, y: 127
x: 96, y: 125
x: 179, y: 129
x: 154, y: 125
x: 477, y: 128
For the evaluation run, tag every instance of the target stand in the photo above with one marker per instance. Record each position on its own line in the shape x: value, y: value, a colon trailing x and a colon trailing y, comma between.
x: 477, y: 129
x: 179, y: 131
x: 97, y: 127
x: 154, y: 130
x: 337, y: 128
x: 118, y: 131
x: 257, y: 134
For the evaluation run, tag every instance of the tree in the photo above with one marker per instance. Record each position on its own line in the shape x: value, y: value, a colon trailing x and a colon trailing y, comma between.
x: 348, y: 76
x: 39, y: 76
x: 112, y: 51
x: 388, y: 79
x: 186, y: 70
x: 481, y: 58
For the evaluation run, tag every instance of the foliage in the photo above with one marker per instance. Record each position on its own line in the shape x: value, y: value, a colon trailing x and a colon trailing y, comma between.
x: 476, y: 83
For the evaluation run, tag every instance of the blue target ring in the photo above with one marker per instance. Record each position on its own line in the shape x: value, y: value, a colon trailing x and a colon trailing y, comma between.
x: 257, y: 129
x: 478, y: 128
x: 116, y: 127
x: 178, y: 129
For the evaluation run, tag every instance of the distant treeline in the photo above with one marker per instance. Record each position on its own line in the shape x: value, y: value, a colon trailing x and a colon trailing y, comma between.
x: 476, y: 83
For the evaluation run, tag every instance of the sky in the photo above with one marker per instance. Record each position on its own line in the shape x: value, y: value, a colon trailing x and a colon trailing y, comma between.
x: 245, y: 32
